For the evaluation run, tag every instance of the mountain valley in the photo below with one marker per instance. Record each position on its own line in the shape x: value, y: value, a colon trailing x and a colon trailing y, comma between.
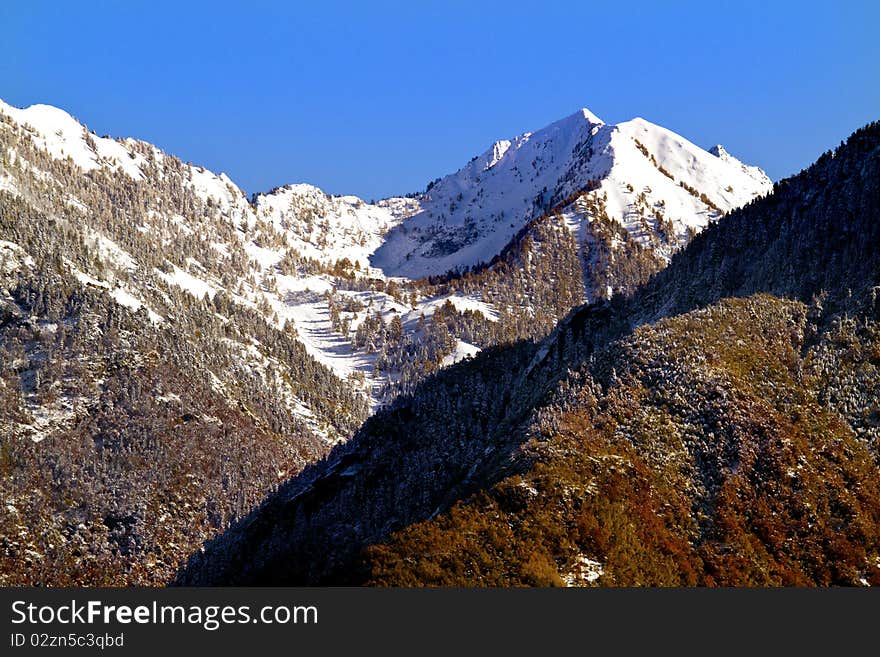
x: 327, y: 386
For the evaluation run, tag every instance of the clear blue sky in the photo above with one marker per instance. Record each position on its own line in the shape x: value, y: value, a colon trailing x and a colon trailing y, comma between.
x: 377, y: 98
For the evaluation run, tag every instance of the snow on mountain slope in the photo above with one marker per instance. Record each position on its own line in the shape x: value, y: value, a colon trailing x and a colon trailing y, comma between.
x: 151, y: 227
x: 427, y: 307
x: 330, y: 228
x: 663, y: 161
x: 279, y: 255
x: 462, y: 350
x: 636, y: 168
x: 62, y: 136
x: 720, y: 152
x: 195, y: 232
x: 12, y: 256
x: 469, y: 216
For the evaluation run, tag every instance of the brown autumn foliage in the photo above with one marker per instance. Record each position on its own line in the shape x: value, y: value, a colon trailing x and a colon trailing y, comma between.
x: 708, y: 459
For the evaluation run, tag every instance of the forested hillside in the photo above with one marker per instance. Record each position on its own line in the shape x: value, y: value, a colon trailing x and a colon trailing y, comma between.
x: 720, y: 425
x: 173, y: 350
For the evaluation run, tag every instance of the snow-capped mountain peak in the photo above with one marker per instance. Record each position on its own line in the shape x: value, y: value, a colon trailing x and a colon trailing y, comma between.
x: 469, y: 216
x: 322, y: 265
x: 643, y: 174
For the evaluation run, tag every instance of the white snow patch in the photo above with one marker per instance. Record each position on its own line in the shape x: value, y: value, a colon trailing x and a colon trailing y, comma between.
x: 186, y: 281
x: 85, y: 279
x: 7, y: 183
x: 13, y: 257
x: 583, y: 571
x: 124, y: 298
x: 112, y: 252
x: 428, y: 307
x: 462, y: 350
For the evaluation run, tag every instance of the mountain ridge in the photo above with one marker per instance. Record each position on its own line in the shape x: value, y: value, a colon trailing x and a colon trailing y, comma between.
x: 59, y: 131
x: 567, y: 156
x: 125, y: 272
x: 462, y: 487
x: 299, y: 240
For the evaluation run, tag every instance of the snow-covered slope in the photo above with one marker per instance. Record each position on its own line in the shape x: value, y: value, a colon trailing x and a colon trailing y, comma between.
x: 321, y: 266
x: 330, y: 228
x: 639, y: 170
x: 179, y: 228
x: 62, y: 137
x: 152, y: 228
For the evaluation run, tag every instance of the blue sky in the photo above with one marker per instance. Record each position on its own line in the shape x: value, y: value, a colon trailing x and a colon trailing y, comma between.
x: 377, y: 98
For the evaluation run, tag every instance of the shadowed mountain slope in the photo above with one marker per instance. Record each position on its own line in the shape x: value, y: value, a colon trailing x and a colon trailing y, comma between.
x: 735, y: 442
